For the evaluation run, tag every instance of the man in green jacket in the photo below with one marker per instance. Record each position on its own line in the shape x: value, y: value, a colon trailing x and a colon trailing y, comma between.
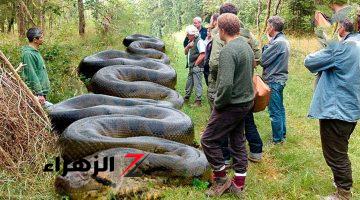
x: 34, y: 72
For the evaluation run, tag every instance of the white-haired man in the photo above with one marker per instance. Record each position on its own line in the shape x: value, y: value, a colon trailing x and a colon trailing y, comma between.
x: 195, y: 52
x: 202, y: 30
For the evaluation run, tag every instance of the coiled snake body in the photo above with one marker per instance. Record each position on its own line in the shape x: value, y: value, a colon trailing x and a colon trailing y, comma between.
x: 141, y: 114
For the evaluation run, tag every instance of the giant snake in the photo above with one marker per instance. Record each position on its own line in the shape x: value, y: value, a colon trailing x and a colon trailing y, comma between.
x: 134, y: 109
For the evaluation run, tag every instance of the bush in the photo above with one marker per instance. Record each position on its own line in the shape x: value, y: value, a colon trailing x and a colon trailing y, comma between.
x: 299, y: 14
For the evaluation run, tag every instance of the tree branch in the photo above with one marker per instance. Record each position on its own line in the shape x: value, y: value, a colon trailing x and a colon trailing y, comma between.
x: 28, y: 92
x: 268, y: 8
x: 277, y: 7
x: 28, y: 13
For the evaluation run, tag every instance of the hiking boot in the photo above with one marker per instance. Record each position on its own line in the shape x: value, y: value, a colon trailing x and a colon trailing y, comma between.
x: 220, y: 185
x: 197, y: 103
x: 255, y: 157
x: 237, y: 191
x: 340, y: 194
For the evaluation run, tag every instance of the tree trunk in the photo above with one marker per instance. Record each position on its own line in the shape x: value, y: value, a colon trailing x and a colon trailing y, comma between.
x: 81, y: 17
x: 42, y: 14
x: 277, y: 7
x: 11, y: 20
x: 10, y: 24
x: 51, y: 21
x: 2, y: 26
x: 268, y: 8
x: 27, y: 12
x: 180, y: 21
x: 21, y: 20
x: 106, y: 22
x: 258, y: 18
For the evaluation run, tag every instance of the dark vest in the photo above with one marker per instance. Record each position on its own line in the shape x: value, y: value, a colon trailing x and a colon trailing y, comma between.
x: 194, y: 53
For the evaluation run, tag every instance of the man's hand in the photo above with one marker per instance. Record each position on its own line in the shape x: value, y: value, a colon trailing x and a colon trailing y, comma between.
x: 190, y: 45
x: 41, y: 99
x: 320, y: 20
x: 268, y: 37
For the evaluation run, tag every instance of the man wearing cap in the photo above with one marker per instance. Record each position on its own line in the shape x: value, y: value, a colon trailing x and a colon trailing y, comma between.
x: 34, y: 72
x: 195, y: 52
x: 202, y: 30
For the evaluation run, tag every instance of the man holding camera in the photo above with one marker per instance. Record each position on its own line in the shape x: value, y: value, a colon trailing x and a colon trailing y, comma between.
x: 336, y: 103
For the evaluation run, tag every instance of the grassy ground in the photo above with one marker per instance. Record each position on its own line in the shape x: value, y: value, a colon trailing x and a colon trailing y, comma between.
x: 295, y: 170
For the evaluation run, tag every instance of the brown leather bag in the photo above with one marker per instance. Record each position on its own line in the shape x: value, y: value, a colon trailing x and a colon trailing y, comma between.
x: 262, y: 94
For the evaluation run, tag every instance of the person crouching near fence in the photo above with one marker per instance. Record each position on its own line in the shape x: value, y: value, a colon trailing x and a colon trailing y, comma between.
x: 234, y: 99
x: 336, y: 103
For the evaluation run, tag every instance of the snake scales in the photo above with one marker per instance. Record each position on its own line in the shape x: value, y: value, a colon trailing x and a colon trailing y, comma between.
x: 134, y: 108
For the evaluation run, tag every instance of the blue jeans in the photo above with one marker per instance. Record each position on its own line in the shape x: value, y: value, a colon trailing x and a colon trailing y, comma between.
x: 252, y: 136
x: 277, y: 112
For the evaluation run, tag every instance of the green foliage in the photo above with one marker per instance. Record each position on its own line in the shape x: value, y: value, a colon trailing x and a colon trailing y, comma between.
x: 200, y: 185
x: 168, y: 16
x: 299, y: 14
x: 340, y: 2
x: 212, y: 6
x: 61, y: 70
x: 247, y: 12
x: 107, y: 13
x: 247, y: 9
x: 53, y: 7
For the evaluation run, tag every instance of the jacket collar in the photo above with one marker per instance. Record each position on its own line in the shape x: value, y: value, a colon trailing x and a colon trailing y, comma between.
x: 347, y: 37
x: 277, y: 36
